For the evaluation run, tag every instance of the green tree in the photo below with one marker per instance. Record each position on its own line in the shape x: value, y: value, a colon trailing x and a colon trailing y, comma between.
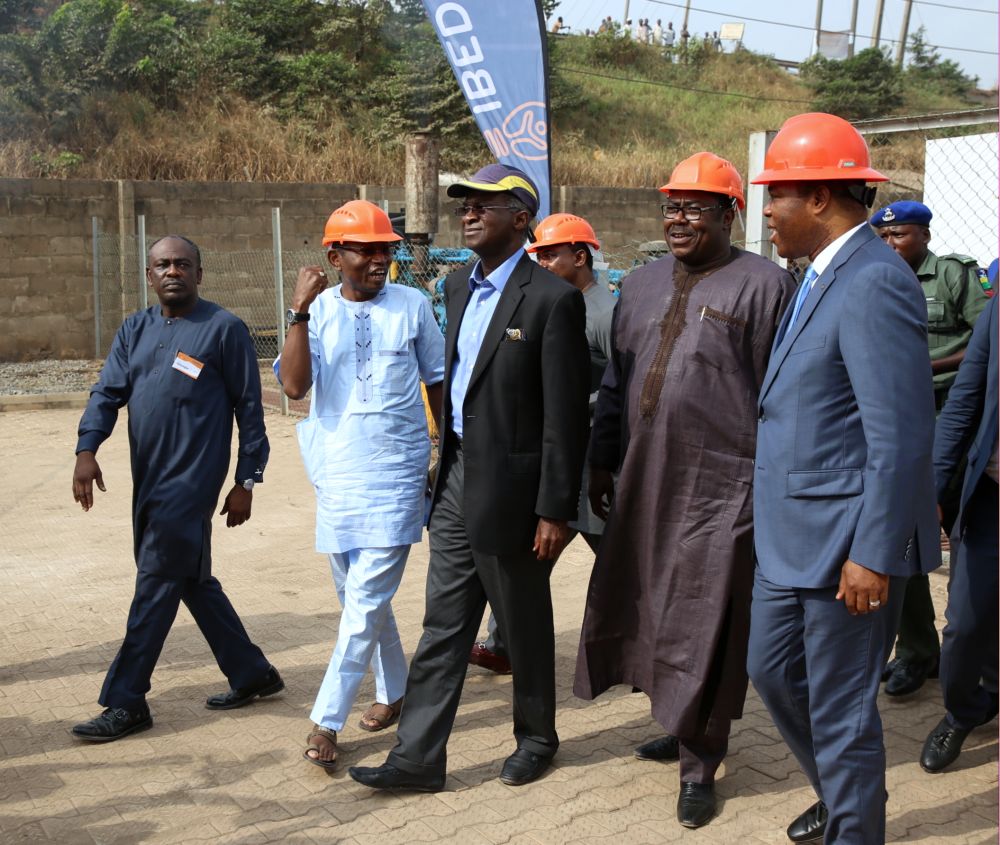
x: 866, y: 85
x: 926, y: 67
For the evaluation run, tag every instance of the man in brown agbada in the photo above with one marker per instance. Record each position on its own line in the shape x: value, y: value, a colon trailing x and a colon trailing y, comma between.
x: 668, y: 608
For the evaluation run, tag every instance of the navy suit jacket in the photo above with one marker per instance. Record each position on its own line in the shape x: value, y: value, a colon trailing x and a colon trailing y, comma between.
x: 846, y: 427
x: 968, y: 421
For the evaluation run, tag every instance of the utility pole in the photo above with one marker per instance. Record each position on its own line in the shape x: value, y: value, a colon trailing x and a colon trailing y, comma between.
x: 877, y: 26
x: 625, y: 16
x: 854, y: 28
x: 901, y: 47
x: 422, y: 157
x: 819, y: 22
x: 687, y: 11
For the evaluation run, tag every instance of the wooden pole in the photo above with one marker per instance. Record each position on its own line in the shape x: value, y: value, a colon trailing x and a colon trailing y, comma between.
x: 422, y: 157
x: 903, y: 32
x: 854, y: 28
x: 877, y: 24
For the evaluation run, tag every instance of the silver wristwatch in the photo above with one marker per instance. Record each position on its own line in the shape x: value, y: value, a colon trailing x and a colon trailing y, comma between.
x: 248, y: 484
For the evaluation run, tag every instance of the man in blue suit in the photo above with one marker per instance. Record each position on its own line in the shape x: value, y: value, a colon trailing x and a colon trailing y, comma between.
x: 969, y: 651
x: 843, y: 485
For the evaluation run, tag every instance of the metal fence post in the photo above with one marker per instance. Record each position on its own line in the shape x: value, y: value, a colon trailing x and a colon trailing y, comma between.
x: 279, y: 289
x: 140, y: 248
x: 95, y: 233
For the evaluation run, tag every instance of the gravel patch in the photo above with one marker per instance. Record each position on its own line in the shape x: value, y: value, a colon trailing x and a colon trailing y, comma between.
x: 52, y: 376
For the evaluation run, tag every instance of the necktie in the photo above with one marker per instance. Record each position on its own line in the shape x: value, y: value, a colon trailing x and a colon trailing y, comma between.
x: 806, y: 286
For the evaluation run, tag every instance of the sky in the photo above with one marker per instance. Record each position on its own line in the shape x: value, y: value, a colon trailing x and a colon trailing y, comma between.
x: 785, y: 28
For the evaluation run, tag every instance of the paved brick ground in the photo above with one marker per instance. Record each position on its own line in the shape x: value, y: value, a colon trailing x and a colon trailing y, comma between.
x: 237, y: 777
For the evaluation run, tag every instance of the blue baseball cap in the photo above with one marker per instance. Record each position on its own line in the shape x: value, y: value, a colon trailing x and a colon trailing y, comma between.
x: 902, y: 212
x: 499, y: 178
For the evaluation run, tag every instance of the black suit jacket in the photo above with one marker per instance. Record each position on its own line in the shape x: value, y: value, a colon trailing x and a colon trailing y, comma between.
x: 525, y: 416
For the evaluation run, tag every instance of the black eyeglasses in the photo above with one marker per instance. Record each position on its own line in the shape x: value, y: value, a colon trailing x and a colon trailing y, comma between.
x: 692, y: 213
x: 369, y: 251
x: 478, y: 210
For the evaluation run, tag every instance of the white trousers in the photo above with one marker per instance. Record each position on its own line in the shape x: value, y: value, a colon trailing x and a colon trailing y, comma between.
x: 366, y: 581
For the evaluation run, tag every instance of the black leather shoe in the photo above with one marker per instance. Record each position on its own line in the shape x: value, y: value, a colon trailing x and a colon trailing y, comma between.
x: 810, y: 826
x: 523, y: 767
x: 907, y: 677
x: 695, y: 804
x: 664, y: 748
x: 890, y: 667
x: 942, y: 747
x: 114, y: 723
x: 270, y: 684
x: 388, y: 776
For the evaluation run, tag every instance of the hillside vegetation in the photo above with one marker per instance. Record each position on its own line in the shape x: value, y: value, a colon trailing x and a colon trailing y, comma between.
x: 299, y: 90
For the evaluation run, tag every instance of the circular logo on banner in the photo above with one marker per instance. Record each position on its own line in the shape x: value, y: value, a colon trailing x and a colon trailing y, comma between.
x: 526, y: 131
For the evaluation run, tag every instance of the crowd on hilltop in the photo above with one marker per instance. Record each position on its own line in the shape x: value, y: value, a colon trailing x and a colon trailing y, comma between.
x: 669, y: 40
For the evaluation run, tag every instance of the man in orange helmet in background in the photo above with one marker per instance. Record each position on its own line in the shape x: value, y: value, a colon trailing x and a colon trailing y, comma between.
x: 844, y: 507
x: 565, y: 245
x: 668, y: 609
x: 363, y: 346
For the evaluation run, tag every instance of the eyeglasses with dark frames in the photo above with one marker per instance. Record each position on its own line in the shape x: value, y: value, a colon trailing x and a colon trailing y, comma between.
x: 692, y: 213
x: 478, y: 210
x: 369, y: 251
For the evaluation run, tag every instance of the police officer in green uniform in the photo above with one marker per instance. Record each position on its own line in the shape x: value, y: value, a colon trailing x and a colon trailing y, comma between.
x: 955, y: 297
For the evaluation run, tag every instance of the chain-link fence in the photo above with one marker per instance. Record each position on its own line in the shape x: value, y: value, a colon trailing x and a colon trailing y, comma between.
x: 246, y: 283
x: 949, y: 164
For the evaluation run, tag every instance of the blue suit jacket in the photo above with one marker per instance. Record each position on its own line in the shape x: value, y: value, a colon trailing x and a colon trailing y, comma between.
x: 968, y: 420
x: 846, y: 427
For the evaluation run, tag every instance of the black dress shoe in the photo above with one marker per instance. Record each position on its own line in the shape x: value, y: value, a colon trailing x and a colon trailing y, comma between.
x: 810, y: 826
x: 890, y: 667
x: 943, y: 746
x: 114, y: 723
x: 664, y: 748
x: 523, y: 767
x: 695, y: 804
x: 907, y: 677
x: 270, y: 684
x: 388, y: 776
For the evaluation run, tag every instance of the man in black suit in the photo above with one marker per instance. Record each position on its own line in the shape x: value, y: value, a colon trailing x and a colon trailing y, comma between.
x: 968, y: 422
x: 514, y: 433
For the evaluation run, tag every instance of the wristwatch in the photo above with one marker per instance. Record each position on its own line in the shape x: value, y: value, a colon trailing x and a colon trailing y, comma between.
x: 293, y: 317
x: 248, y: 484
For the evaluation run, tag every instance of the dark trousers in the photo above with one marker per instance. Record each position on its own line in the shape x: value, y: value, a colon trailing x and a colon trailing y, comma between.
x: 460, y: 580
x: 701, y: 755
x: 153, y: 610
x: 969, y: 650
x: 494, y: 639
x: 817, y: 669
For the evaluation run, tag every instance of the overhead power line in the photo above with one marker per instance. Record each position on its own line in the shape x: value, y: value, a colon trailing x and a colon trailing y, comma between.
x: 955, y: 8
x: 571, y: 69
x: 811, y: 28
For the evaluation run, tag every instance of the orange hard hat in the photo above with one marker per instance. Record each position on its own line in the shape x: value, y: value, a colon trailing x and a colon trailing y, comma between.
x: 361, y: 222
x: 707, y: 172
x: 817, y: 147
x: 563, y: 229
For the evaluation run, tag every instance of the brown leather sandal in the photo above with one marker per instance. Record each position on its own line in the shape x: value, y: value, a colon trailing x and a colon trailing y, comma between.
x: 373, y: 719
x: 326, y: 733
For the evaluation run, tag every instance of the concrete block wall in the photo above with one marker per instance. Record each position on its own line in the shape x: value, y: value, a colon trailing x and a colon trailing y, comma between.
x: 46, y: 281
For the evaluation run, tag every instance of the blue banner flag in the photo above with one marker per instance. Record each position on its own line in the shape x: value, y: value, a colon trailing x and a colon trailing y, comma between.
x: 499, y: 55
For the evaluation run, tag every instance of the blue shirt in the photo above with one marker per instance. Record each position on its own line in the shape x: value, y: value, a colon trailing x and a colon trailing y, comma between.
x: 483, y: 302
x: 184, y: 380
